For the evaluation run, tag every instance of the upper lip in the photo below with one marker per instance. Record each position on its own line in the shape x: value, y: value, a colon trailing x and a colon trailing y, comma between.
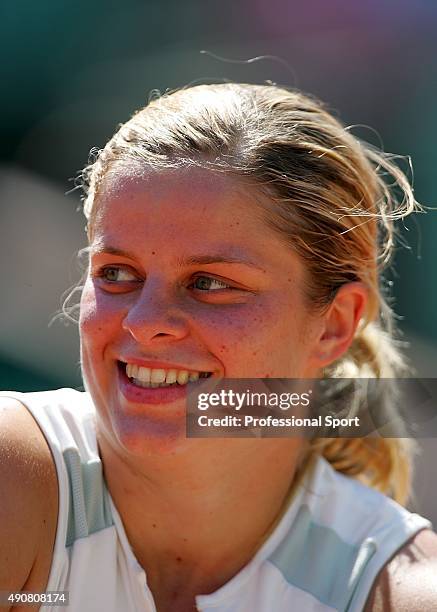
x: 160, y: 364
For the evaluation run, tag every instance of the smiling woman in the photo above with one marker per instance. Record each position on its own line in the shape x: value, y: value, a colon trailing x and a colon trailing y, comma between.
x: 236, y: 231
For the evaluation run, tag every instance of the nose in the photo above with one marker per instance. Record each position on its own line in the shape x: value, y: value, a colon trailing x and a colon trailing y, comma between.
x: 155, y: 316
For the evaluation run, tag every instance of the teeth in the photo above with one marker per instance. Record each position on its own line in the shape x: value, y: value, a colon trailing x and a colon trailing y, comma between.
x: 131, y: 370
x: 143, y: 374
x: 142, y: 384
x: 171, y: 377
x: 182, y: 377
x: 158, y: 377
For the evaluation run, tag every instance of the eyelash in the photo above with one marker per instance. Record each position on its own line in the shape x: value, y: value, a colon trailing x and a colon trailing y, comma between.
x: 213, y: 280
x: 101, y: 274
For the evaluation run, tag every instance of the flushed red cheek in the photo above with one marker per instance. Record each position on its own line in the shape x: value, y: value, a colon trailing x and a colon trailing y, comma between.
x: 94, y: 339
x: 98, y: 315
x: 242, y: 347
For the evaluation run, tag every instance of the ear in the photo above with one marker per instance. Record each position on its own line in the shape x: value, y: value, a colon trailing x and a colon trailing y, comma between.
x: 340, y: 322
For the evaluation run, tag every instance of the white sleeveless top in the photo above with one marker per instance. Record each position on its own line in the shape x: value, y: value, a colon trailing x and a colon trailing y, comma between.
x: 323, y: 555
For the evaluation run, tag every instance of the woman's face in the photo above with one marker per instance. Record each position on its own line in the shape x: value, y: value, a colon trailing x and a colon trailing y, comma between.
x: 185, y: 276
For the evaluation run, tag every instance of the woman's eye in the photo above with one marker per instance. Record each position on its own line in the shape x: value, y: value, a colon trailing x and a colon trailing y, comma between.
x: 205, y: 283
x: 117, y: 274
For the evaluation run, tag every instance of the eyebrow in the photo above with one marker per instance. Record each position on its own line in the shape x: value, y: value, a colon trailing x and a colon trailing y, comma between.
x: 192, y: 260
x: 101, y: 249
x: 197, y: 260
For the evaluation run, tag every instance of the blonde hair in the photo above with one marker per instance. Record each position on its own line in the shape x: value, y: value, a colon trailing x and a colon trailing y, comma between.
x: 334, y: 200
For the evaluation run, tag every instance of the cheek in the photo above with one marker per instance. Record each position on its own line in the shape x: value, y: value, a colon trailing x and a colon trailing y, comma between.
x: 235, y: 322
x: 264, y: 340
x: 98, y: 315
x: 241, y: 336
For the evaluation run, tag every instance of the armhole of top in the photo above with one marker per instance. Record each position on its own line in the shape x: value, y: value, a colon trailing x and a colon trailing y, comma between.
x: 391, y: 547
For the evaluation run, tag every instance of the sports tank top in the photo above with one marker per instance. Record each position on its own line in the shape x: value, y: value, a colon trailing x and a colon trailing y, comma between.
x: 323, y: 555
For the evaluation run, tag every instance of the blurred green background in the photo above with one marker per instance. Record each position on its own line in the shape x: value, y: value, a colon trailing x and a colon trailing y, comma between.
x: 72, y: 70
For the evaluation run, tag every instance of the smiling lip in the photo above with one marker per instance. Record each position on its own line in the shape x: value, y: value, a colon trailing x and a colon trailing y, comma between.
x: 150, y: 395
x: 159, y: 364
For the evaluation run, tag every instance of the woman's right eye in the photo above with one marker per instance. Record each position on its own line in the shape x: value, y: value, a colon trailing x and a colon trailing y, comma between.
x: 117, y: 274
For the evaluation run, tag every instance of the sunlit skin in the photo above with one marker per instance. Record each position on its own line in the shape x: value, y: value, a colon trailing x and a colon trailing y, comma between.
x: 146, y: 297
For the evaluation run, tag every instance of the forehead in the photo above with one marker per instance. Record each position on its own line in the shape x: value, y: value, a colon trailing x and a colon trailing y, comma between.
x: 188, y: 211
x: 179, y: 188
x: 190, y: 199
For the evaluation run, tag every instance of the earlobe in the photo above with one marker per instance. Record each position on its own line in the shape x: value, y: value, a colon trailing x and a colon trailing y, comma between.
x: 340, y: 322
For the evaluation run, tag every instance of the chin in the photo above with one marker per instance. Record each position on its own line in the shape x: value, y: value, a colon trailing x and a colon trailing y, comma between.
x: 146, y: 433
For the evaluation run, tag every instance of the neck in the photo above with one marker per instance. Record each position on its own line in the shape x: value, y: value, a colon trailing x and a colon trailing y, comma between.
x: 196, y: 518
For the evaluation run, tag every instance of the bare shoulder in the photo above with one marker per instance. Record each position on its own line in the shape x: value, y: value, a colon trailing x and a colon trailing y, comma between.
x: 408, y: 583
x: 29, y: 508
